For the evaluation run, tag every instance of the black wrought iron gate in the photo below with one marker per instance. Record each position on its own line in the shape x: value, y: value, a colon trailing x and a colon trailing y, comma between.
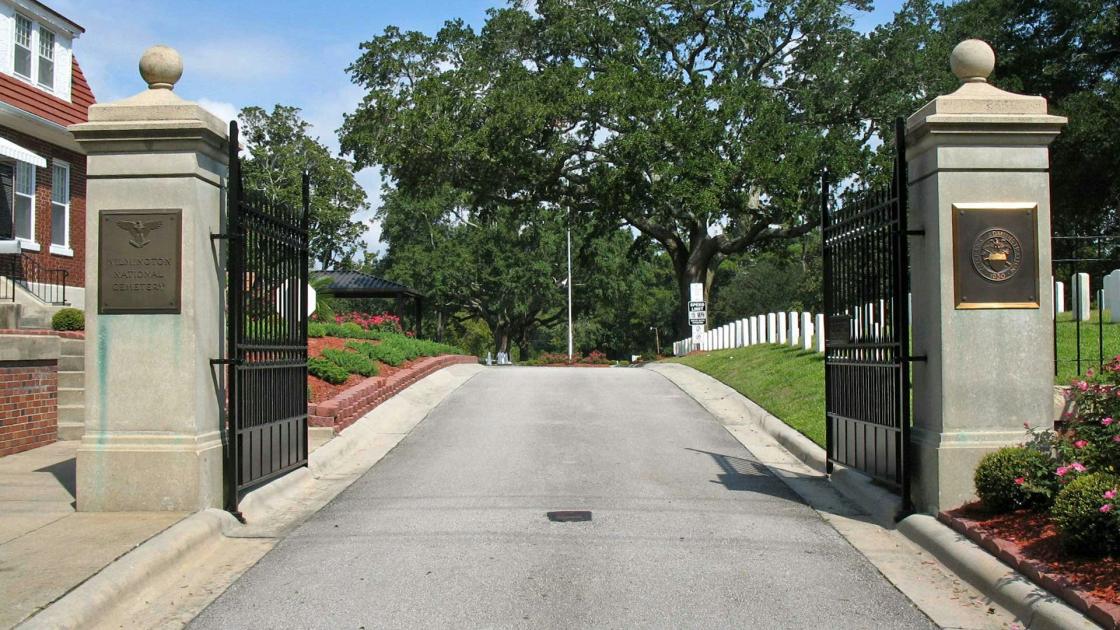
x: 267, y: 334
x: 867, y: 343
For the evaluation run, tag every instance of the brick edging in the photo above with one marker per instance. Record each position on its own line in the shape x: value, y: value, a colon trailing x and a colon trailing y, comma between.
x: 1105, y: 613
x: 345, y: 408
x: 65, y: 334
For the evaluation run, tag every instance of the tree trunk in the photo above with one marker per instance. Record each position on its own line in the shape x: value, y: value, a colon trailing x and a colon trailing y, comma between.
x: 501, y: 339
x: 694, y: 269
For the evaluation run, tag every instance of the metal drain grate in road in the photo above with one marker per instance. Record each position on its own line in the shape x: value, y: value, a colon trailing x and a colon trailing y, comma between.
x: 569, y: 516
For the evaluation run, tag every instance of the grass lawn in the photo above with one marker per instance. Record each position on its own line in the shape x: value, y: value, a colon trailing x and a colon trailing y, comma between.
x: 785, y: 381
x: 1090, y: 344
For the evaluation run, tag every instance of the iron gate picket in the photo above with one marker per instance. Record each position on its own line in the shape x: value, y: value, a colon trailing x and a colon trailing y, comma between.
x: 267, y: 334
x: 867, y: 340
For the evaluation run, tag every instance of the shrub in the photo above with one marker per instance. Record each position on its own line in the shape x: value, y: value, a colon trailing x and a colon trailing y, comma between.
x: 69, y: 319
x: 1085, y: 515
x: 382, y: 322
x: 350, y: 329
x: 327, y: 370
x: 316, y: 329
x: 1091, y: 434
x: 1013, y: 478
x: 352, y: 362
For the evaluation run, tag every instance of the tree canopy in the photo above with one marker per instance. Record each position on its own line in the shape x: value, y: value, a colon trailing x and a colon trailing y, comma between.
x: 280, y: 150
x: 703, y: 125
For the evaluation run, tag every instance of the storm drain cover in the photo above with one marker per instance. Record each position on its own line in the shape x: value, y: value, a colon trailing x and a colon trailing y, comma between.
x: 569, y: 516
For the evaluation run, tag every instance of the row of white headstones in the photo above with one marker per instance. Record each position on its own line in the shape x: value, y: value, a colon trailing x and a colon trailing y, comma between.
x: 793, y: 328
x: 1080, y: 292
x: 799, y: 329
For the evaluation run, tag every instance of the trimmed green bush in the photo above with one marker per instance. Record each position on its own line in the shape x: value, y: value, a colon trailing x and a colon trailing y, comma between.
x: 327, y: 370
x: 316, y: 329
x: 352, y: 362
x: 1014, y: 478
x: 69, y: 319
x: 1083, y: 525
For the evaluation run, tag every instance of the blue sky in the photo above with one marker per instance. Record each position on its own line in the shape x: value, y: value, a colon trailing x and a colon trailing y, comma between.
x: 264, y: 52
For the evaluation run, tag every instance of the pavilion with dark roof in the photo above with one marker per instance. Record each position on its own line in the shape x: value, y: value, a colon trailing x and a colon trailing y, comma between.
x: 355, y: 284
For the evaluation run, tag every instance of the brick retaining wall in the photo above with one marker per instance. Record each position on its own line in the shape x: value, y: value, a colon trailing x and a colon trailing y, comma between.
x: 347, y: 407
x: 28, y: 405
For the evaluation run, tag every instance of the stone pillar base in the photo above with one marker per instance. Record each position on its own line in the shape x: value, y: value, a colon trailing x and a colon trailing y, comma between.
x: 140, y: 473
x: 944, y: 464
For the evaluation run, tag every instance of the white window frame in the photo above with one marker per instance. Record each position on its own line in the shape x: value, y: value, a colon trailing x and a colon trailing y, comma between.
x: 62, y: 249
x: 36, y: 28
x: 39, y: 56
x: 25, y: 243
x: 30, y: 48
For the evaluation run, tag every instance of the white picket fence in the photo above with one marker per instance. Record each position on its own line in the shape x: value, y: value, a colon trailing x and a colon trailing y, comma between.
x: 793, y: 328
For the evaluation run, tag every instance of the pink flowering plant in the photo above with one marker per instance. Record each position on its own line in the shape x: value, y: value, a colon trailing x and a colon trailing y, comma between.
x: 1089, y: 438
x: 380, y: 322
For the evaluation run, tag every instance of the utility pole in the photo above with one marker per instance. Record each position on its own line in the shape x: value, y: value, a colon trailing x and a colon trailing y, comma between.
x: 656, y: 340
x: 569, y: 295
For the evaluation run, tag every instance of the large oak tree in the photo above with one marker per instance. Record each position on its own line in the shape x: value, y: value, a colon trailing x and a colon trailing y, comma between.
x: 702, y: 124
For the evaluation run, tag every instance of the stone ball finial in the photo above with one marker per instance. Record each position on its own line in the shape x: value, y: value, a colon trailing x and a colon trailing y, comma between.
x: 973, y: 61
x: 161, y: 66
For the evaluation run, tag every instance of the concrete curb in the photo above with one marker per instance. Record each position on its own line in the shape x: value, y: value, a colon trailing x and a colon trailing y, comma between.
x: 83, y: 606
x: 731, y: 403
x: 87, y: 603
x: 1036, y: 607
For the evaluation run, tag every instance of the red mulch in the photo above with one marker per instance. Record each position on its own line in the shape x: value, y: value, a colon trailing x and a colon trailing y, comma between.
x: 322, y: 390
x: 1037, y: 540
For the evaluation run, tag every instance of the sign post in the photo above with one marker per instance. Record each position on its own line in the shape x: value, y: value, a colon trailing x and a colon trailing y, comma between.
x: 697, y: 312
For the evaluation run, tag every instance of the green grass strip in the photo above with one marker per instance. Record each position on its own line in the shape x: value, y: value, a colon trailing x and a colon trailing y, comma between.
x: 787, y: 382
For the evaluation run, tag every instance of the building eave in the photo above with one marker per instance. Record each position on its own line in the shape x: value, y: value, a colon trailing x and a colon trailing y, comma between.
x: 38, y: 127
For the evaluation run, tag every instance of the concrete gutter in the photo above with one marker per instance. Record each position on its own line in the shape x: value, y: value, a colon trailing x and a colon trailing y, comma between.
x: 1030, y: 603
x: 270, y: 511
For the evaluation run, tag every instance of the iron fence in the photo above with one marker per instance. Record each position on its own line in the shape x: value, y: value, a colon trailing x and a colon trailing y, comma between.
x: 1083, y: 339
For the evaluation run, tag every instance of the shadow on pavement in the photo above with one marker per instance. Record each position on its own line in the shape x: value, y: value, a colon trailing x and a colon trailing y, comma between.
x: 65, y: 472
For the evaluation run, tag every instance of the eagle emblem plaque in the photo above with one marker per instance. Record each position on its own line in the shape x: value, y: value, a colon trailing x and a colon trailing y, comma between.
x: 139, y: 261
x: 995, y: 248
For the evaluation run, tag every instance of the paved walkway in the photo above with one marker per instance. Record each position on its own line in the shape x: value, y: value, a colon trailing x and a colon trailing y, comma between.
x: 46, y: 548
x: 449, y: 530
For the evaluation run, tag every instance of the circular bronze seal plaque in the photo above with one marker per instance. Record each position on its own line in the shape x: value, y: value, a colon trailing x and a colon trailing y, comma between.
x: 997, y: 255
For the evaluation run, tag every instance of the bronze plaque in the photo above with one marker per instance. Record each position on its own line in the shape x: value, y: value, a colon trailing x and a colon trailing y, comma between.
x: 995, y: 255
x: 139, y: 261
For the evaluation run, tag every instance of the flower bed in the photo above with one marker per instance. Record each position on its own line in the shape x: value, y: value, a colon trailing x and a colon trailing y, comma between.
x: 1029, y: 542
x: 556, y: 359
x: 358, y: 361
x: 1051, y: 508
x: 348, y: 405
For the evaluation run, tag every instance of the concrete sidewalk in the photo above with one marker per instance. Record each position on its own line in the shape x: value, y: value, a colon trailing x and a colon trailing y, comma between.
x: 46, y: 547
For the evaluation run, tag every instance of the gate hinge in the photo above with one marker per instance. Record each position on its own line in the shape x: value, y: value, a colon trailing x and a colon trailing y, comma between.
x: 921, y: 357
x: 216, y: 236
x: 915, y: 232
x: 225, y: 362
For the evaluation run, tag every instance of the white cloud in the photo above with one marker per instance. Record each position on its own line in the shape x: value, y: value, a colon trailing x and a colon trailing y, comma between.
x: 225, y: 111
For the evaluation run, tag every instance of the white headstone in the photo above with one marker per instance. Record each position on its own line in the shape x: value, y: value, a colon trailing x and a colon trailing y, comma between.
x: 752, y: 337
x: 794, y: 329
x: 820, y: 332
x: 1112, y: 295
x: 806, y: 331
x: 1059, y: 297
x: 738, y: 333
x: 1079, y: 296
x: 783, y: 327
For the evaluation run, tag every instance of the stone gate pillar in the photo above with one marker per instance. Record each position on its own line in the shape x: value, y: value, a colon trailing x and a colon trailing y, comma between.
x: 156, y: 169
x: 981, y: 275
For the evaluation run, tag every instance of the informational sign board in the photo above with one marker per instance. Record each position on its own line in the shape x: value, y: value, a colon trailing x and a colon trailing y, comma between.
x: 697, y: 311
x: 139, y: 261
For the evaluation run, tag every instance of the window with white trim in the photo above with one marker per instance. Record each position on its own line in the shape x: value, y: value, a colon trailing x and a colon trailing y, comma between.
x: 25, y: 202
x: 60, y: 207
x: 24, y: 30
x: 46, y: 58
x: 35, y: 53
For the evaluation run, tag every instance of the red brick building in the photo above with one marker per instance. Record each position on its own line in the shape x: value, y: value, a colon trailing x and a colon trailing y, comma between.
x: 42, y: 169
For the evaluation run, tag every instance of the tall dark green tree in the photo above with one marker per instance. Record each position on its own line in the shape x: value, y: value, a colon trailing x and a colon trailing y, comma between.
x: 280, y: 149
x: 704, y: 125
